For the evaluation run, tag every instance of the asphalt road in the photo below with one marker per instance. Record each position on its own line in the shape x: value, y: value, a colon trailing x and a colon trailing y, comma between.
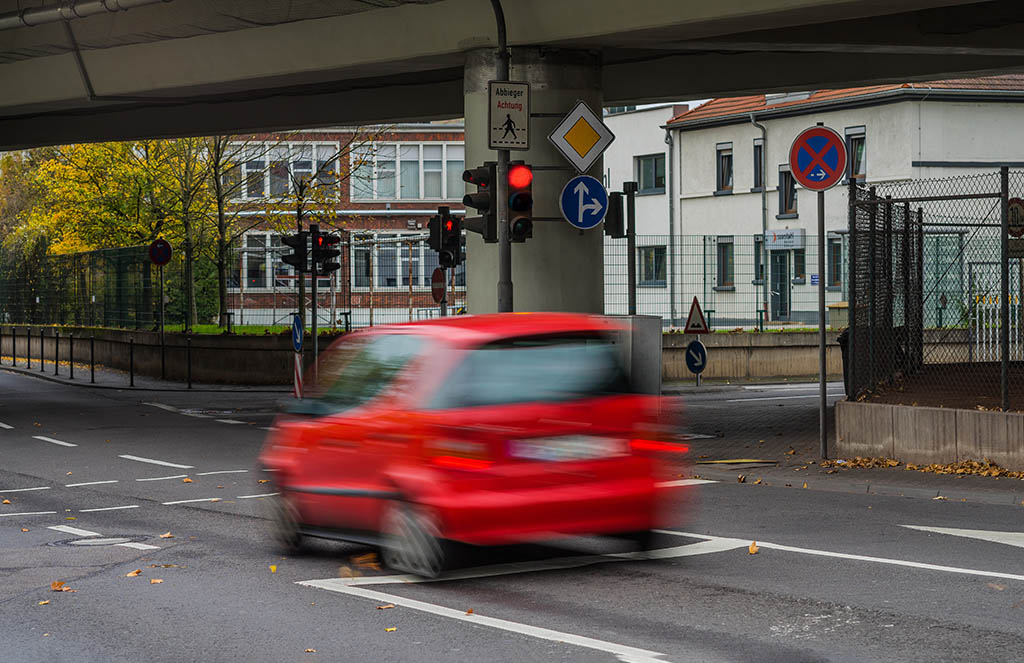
x: 838, y: 576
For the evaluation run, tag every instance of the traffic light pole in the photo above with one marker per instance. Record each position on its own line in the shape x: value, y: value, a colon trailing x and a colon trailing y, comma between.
x: 501, y: 188
x: 314, y: 230
x: 630, y: 189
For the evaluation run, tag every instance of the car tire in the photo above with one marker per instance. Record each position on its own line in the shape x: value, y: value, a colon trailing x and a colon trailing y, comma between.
x: 285, y: 527
x: 412, y: 541
x: 644, y: 540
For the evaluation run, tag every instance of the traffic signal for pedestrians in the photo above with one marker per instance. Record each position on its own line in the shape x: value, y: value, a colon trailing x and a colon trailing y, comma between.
x: 520, y: 201
x: 614, y: 222
x: 483, y: 201
x: 297, y: 258
x: 450, y: 254
x: 324, y: 251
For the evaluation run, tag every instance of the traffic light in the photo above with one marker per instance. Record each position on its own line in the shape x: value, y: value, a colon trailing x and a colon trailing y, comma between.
x: 450, y: 253
x: 483, y: 201
x: 297, y: 258
x: 614, y: 222
x: 520, y: 201
x: 323, y: 251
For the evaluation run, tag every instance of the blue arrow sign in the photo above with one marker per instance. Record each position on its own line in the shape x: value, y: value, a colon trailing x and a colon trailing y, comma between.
x: 584, y: 202
x: 696, y: 357
x: 297, y: 333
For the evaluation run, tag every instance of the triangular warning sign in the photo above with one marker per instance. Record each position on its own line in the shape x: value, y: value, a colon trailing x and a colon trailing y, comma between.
x: 695, y: 322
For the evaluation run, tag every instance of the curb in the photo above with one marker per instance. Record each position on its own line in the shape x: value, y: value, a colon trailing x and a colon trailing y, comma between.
x: 90, y: 385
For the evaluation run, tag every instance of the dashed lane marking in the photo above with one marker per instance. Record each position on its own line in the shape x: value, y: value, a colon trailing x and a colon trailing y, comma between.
x: 53, y: 441
x: 111, y: 508
x: 73, y: 530
x: 169, y: 408
x: 5, y: 426
x: 684, y: 482
x: 24, y: 490
x: 249, y: 497
x: 89, y: 483
x: 28, y: 513
x: 206, y: 474
x: 176, y: 476
x: 229, y: 421
x: 202, y: 499
x: 138, y: 546
x: 155, y: 462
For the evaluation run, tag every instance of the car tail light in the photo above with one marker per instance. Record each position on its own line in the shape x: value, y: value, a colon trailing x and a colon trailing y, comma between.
x: 459, y: 454
x: 461, y: 463
x: 658, y: 445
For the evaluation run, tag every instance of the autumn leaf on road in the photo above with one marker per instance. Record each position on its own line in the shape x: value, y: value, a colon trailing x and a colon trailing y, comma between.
x: 346, y: 572
x: 938, y: 497
x: 59, y: 586
x: 6, y: 501
x: 470, y: 611
x: 758, y: 481
x: 186, y: 480
x: 273, y: 568
x: 44, y: 603
x: 993, y: 585
x: 752, y: 548
x: 791, y: 452
x: 155, y: 581
x: 166, y: 535
x: 24, y: 529
x: 741, y: 478
x: 391, y: 629
x: 133, y: 573
x: 386, y: 607
x: 310, y: 651
x: 367, y: 561
x: 264, y: 480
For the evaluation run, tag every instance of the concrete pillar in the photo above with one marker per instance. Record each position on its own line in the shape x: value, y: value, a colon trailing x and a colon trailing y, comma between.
x: 560, y: 268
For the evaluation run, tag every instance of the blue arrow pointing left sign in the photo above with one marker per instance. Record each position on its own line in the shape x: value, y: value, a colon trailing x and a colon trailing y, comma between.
x: 297, y: 333
x: 584, y: 202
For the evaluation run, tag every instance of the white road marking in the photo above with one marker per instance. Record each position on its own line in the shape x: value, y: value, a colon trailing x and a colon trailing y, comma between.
x: 1009, y: 538
x: 176, y: 476
x: 138, y: 546
x: 195, y: 414
x: 266, y: 428
x: 169, y: 408
x: 202, y: 499
x: 206, y: 474
x: 684, y: 482
x: 5, y: 426
x: 858, y: 558
x: 28, y: 513
x: 73, y: 530
x: 89, y: 483
x: 53, y: 441
x: 791, y: 386
x: 779, y: 398
x: 111, y: 508
x: 249, y: 497
x: 155, y: 462
x: 697, y: 436
x: 24, y: 490
x: 229, y: 421
x: 624, y: 653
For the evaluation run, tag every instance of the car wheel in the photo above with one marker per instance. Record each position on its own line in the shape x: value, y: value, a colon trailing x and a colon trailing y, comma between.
x: 284, y: 520
x: 644, y: 540
x: 412, y: 541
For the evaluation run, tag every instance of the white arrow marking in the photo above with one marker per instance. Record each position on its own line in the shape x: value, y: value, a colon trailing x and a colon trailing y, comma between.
x: 580, y: 190
x: 697, y: 359
x: 595, y: 205
x: 1009, y: 538
x: 818, y: 174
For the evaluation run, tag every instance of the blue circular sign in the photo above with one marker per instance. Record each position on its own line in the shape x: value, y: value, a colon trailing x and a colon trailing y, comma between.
x: 696, y: 357
x: 584, y: 202
x: 297, y: 333
x: 160, y: 251
x: 817, y: 158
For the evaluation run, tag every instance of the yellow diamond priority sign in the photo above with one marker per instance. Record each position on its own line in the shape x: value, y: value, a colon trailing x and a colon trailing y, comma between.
x: 581, y: 137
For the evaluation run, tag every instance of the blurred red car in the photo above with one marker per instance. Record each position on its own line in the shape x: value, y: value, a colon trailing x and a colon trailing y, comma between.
x: 484, y: 430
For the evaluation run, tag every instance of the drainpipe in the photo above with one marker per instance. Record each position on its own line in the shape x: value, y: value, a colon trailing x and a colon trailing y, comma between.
x: 669, y: 177
x: 764, y: 209
x: 65, y: 11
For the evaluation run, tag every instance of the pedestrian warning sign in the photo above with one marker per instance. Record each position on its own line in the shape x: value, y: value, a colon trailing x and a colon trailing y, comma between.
x: 695, y: 322
x: 508, y: 115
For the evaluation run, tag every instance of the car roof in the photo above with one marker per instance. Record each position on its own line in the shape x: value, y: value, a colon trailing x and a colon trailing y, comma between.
x: 475, y: 329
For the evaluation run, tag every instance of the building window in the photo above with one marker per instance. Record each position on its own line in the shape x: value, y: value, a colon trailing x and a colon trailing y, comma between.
x: 758, y: 259
x: 723, y: 160
x: 651, y: 173
x: 835, y: 262
x: 612, y: 110
x: 725, y: 263
x: 856, y: 157
x: 758, y: 164
x: 256, y: 261
x: 799, y: 264
x: 388, y: 260
x: 275, y: 169
x: 408, y: 171
x: 652, y: 265
x: 787, y: 192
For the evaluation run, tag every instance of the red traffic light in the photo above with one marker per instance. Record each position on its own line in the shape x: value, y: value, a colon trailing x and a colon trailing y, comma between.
x: 520, y: 176
x: 449, y: 225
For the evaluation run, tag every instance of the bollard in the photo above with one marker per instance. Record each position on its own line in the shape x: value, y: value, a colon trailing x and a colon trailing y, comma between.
x: 28, y: 348
x: 131, y: 362
x: 14, y: 345
x: 92, y: 359
x: 71, y: 355
x: 42, y: 360
x: 188, y: 359
x: 56, y: 350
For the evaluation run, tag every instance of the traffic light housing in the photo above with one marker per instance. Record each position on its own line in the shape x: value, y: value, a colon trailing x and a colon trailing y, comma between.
x: 450, y: 230
x: 520, y: 201
x: 614, y: 221
x: 483, y: 200
x: 324, y: 251
x: 297, y: 258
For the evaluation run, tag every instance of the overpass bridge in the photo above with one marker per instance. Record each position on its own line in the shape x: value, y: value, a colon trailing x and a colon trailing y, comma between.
x: 121, y: 69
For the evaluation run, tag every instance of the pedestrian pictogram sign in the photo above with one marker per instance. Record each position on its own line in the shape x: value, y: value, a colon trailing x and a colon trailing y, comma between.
x: 508, y: 115
x: 584, y: 202
x: 1016, y: 217
x: 817, y: 158
x: 581, y: 137
x: 695, y: 322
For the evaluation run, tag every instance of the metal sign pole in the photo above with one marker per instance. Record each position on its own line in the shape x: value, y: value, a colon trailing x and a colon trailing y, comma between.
x: 444, y: 300
x: 313, y: 231
x: 822, y: 403
x: 630, y: 189
x: 163, y: 360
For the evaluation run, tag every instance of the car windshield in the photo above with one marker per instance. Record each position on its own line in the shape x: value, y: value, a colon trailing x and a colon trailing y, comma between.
x: 550, y: 368
x: 358, y: 370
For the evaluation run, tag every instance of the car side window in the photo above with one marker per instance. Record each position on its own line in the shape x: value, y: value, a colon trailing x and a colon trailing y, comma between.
x: 358, y: 372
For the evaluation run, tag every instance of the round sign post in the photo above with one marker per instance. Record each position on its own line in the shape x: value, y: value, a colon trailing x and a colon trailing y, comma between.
x: 817, y: 160
x: 160, y: 254
x: 439, y: 289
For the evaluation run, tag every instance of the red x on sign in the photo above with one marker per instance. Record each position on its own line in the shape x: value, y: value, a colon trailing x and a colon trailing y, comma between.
x: 817, y: 158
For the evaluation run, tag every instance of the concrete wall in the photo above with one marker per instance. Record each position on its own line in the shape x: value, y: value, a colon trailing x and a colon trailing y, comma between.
x: 743, y: 356
x: 929, y: 435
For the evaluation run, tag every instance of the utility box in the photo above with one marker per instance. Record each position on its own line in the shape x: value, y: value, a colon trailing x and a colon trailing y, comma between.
x: 641, y: 352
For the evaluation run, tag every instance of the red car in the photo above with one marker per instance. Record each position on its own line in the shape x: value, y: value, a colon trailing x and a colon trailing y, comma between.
x: 482, y: 430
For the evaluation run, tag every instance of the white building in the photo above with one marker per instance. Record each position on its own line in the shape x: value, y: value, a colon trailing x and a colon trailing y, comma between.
x: 728, y: 204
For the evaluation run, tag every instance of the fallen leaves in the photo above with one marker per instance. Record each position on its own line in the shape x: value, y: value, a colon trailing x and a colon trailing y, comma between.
x: 187, y: 480
x: 133, y: 574
x: 166, y: 535
x: 273, y: 568
x: 155, y: 581
x: 6, y: 502
x: 939, y: 497
x: 24, y: 529
x: 264, y: 480
x: 60, y: 586
x: 310, y: 651
x: 752, y: 548
x: 44, y: 603
x: 386, y: 606
x: 997, y: 587
x: 805, y: 484
x: 741, y: 478
x: 758, y: 480
x: 391, y: 629
x: 984, y: 468
x: 470, y: 611
x: 346, y: 572
x: 367, y: 561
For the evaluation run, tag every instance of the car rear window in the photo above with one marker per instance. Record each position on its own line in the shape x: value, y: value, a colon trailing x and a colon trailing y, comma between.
x: 535, y: 369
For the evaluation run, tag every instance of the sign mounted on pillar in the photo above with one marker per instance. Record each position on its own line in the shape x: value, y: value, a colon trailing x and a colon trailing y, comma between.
x: 817, y: 158
x: 508, y: 115
x: 581, y: 137
x: 695, y: 322
x: 584, y: 202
